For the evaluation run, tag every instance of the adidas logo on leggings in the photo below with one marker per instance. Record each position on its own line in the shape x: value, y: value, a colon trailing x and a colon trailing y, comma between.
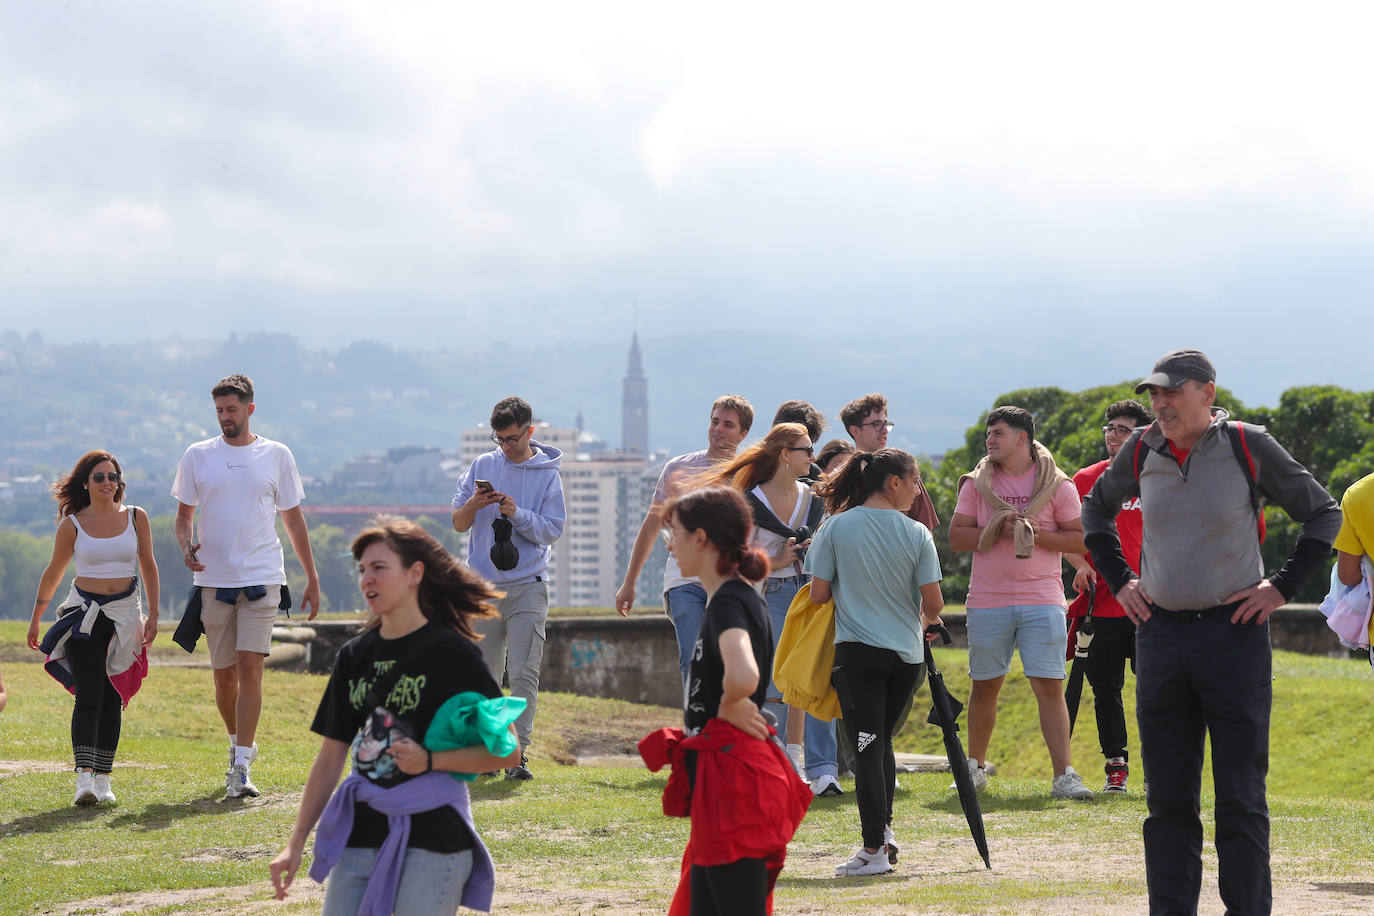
x: 865, y: 739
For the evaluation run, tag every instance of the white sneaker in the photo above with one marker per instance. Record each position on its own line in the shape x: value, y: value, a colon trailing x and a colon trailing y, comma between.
x: 1069, y: 784
x: 797, y: 754
x: 978, y: 774
x: 103, y: 792
x: 865, y: 863
x: 238, y: 783
x: 826, y: 786
x: 890, y: 841
x: 85, y: 789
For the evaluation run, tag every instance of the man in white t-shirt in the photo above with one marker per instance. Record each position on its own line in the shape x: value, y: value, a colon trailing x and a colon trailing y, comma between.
x: 239, y: 482
x: 683, y: 597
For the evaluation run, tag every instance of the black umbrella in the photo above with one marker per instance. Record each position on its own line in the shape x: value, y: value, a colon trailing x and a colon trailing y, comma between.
x: 1082, y: 642
x: 944, y: 712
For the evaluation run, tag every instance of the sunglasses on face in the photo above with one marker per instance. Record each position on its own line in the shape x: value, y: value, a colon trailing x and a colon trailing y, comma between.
x: 809, y: 449
x: 101, y: 477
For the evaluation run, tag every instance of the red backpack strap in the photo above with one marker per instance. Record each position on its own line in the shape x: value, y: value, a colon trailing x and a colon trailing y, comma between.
x: 1247, y: 464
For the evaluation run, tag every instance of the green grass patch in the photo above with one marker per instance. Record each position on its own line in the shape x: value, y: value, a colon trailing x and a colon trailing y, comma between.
x: 578, y: 839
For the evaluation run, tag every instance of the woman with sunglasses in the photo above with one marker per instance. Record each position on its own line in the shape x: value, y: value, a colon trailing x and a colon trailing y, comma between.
x: 98, y: 648
x: 397, y: 835
x: 771, y: 471
x: 882, y: 571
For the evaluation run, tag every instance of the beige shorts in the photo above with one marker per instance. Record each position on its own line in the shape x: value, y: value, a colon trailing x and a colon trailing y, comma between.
x: 244, y: 626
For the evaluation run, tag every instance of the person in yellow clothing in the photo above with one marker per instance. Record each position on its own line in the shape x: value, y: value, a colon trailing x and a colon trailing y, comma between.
x: 1357, y: 533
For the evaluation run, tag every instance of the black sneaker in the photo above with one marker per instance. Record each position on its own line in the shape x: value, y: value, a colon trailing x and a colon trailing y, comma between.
x: 522, y: 772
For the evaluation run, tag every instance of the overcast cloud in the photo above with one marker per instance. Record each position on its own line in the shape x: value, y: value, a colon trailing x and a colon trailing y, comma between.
x: 1069, y: 189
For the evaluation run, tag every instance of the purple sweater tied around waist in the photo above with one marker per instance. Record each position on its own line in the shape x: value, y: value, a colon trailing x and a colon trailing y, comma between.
x: 422, y: 793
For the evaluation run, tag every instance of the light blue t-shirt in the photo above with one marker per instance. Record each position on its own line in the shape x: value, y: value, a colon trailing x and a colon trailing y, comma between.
x: 876, y: 561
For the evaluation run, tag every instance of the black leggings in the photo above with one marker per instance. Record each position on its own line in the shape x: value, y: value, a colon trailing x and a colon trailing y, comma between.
x: 1105, y: 668
x: 97, y: 714
x: 737, y: 889
x: 873, y: 685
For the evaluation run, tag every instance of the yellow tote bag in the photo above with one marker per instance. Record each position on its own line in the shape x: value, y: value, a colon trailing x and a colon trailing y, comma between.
x: 805, y: 655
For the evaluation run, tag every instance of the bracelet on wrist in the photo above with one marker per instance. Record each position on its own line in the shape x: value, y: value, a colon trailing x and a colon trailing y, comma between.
x: 429, y: 760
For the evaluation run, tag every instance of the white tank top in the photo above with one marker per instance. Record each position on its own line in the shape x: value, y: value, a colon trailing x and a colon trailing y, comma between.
x: 107, y: 558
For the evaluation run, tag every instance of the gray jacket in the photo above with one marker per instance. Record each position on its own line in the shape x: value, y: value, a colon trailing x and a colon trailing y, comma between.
x: 1200, y: 539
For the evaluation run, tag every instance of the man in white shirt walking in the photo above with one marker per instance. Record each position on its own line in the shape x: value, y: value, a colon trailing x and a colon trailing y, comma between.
x: 238, y: 482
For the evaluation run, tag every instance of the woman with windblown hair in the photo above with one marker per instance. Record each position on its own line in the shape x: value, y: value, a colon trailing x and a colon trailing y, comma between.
x: 397, y: 835
x: 770, y: 473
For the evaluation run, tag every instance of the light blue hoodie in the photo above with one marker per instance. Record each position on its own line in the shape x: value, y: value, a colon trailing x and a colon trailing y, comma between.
x: 535, y: 486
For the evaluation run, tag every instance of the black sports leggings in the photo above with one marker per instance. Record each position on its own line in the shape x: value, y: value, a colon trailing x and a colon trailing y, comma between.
x: 873, y: 686
x: 98, y: 711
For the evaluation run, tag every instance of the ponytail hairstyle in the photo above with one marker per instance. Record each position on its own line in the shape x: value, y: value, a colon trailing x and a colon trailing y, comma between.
x: 728, y: 522
x: 450, y: 594
x: 70, y: 490
x: 862, y: 475
x: 757, y: 463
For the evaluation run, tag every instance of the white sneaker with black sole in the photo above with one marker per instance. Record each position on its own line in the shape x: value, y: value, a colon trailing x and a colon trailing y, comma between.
x: 826, y: 787
x: 864, y: 862
x: 85, y: 789
x: 890, y: 841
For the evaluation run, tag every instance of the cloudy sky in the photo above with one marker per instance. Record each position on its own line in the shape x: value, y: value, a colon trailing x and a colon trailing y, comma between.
x: 1064, y: 189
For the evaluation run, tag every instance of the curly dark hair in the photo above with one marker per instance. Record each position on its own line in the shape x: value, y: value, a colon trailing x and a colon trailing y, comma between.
x: 451, y: 595
x: 70, y: 490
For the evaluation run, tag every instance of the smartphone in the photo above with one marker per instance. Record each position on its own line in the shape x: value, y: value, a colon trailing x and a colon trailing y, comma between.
x: 191, y: 549
x: 484, y: 485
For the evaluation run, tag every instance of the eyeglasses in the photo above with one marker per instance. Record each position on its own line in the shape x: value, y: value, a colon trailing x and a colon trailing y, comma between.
x: 509, y: 440
x: 1117, y: 429
x: 101, y: 477
x: 809, y: 449
x: 879, y: 424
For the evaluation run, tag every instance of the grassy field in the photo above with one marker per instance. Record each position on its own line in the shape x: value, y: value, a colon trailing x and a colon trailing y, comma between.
x: 583, y: 839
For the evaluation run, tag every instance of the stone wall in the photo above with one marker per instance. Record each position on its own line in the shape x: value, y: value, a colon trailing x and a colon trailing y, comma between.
x: 635, y: 658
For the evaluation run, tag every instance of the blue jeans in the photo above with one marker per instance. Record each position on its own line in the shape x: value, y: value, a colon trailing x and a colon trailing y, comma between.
x: 686, y: 606
x: 1198, y: 674
x: 821, y: 749
x: 431, y: 882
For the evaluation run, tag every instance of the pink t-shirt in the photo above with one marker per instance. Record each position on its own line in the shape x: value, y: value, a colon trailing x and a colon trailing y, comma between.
x: 998, y: 578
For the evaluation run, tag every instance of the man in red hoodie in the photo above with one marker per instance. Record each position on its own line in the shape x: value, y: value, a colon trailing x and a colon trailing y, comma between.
x: 1113, y: 639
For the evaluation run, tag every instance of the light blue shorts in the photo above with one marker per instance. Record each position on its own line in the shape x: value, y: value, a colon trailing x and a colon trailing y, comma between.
x: 1037, y: 631
x: 431, y: 884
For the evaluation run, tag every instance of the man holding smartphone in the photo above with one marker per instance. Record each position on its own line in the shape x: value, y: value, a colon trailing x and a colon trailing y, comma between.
x: 511, y: 502
x: 239, y: 482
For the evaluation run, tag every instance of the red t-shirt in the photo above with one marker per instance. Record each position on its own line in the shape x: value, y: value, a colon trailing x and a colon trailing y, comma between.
x: 1128, y: 527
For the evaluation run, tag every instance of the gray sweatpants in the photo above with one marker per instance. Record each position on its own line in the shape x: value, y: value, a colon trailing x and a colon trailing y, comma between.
x: 514, y: 643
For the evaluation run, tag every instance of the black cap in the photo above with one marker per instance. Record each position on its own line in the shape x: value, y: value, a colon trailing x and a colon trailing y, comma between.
x: 1176, y: 367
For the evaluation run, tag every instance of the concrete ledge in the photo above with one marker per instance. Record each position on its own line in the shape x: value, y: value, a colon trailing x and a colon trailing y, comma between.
x: 635, y: 658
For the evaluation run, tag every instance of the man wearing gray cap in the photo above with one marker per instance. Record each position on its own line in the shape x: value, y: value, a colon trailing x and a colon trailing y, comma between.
x: 1201, y: 605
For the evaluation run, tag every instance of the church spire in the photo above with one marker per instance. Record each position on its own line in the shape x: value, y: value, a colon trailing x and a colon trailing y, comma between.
x: 634, y: 403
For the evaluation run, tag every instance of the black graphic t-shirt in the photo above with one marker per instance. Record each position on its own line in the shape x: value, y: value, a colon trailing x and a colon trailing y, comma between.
x: 734, y: 605
x: 439, y: 663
